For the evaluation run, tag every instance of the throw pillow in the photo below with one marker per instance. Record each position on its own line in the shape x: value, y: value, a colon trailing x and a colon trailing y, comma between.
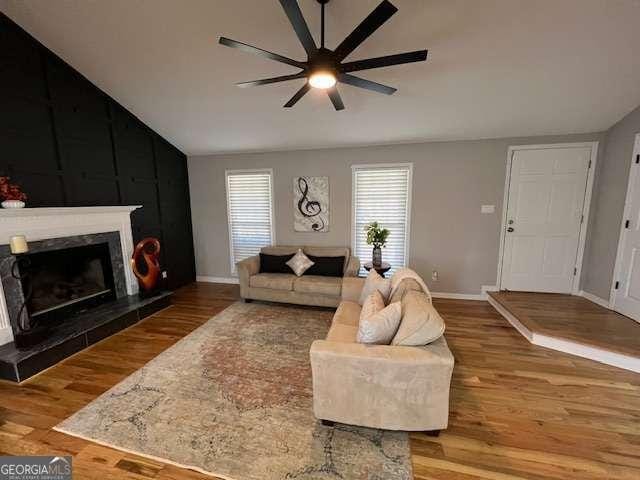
x: 326, y: 266
x: 421, y: 323
x: 275, y: 263
x: 299, y: 263
x: 375, y: 282
x: 378, y: 324
x: 406, y: 285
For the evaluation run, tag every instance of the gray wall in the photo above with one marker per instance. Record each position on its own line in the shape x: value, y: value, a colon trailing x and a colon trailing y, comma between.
x: 448, y: 233
x: 608, y: 205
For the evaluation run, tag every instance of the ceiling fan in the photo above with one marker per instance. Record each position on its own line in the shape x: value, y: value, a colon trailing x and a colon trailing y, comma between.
x: 324, y: 67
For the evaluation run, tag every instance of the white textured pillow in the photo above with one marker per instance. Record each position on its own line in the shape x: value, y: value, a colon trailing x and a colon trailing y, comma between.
x: 421, y: 323
x: 372, y: 305
x: 300, y: 263
x: 375, y: 282
x: 378, y: 324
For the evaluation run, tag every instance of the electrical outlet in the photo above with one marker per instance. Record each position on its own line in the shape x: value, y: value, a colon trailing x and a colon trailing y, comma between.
x: 164, y: 274
x: 434, y: 275
x: 487, y: 209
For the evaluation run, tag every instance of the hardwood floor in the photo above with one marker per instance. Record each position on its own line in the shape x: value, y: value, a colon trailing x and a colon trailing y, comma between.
x: 517, y: 410
x: 573, y: 318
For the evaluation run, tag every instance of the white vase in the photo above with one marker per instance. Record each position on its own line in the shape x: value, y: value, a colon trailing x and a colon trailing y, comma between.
x: 13, y: 204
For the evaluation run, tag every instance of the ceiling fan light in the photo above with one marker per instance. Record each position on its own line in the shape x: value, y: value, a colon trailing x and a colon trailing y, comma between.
x: 322, y: 80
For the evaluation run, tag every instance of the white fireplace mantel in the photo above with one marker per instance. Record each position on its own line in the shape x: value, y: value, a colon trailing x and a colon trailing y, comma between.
x: 57, y: 211
x: 45, y: 223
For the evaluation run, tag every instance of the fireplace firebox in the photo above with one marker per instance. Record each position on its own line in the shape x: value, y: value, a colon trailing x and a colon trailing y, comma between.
x: 59, y: 283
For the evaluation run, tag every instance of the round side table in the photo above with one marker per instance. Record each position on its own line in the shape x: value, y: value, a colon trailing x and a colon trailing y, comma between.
x: 381, y: 269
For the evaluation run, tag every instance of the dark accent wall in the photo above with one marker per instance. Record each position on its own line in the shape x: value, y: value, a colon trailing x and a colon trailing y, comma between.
x: 67, y: 143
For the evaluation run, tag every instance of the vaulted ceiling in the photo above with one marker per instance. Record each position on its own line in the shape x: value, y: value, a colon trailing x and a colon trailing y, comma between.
x: 496, y: 68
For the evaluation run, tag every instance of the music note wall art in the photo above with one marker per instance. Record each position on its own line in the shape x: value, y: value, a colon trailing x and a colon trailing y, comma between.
x: 311, y: 204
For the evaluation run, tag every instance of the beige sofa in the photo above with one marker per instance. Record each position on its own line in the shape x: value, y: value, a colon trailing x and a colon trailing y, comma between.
x: 287, y: 288
x: 378, y: 386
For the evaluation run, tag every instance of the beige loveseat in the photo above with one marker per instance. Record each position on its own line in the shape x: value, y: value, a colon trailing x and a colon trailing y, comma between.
x: 378, y: 386
x: 287, y: 288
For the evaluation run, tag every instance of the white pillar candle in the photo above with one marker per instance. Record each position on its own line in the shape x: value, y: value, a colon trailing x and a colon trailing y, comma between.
x: 18, y: 244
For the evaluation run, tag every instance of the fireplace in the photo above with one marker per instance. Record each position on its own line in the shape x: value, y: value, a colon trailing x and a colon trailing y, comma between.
x: 59, y: 283
x: 58, y: 280
x: 80, y: 288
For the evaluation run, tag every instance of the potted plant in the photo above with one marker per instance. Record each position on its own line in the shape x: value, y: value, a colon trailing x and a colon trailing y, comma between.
x: 11, y: 195
x: 376, y: 236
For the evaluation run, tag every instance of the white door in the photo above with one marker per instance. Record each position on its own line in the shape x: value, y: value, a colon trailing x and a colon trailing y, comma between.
x: 544, y: 215
x: 626, y: 297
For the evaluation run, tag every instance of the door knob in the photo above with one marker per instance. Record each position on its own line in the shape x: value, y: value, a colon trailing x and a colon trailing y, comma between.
x: 510, y: 229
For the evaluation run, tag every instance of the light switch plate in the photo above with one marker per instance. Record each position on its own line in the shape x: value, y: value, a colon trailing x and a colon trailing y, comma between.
x: 488, y: 209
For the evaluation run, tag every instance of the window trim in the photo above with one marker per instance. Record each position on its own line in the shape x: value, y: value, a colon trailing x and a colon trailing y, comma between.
x: 407, y: 226
x: 272, y: 219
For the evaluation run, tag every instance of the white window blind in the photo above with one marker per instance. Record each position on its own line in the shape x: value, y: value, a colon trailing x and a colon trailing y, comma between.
x: 250, y: 212
x: 382, y: 194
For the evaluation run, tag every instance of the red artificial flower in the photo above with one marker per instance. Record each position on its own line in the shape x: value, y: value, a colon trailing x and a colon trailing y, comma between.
x: 10, y: 191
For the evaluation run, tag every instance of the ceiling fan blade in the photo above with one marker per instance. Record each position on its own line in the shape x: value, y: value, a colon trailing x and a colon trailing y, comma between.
x: 335, y: 98
x: 267, y: 81
x: 299, y: 94
x: 292, y: 9
x: 366, y: 84
x: 380, y: 14
x: 263, y: 53
x: 386, y: 61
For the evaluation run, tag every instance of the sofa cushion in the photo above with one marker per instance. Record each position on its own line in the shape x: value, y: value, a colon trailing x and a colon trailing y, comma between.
x: 326, y: 266
x: 275, y: 263
x: 421, y: 323
x: 339, y: 332
x: 279, y: 250
x: 406, y: 285
x: 317, y: 284
x: 329, y: 252
x: 348, y: 313
x: 375, y: 282
x: 274, y: 281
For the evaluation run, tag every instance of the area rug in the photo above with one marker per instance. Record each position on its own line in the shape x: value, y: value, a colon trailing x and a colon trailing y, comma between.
x: 234, y: 399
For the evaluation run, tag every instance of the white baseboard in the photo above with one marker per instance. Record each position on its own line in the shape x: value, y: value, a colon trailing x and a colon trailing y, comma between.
x: 595, y: 299
x: 207, y: 279
x: 489, y: 288
x: 592, y: 353
x: 458, y: 296
x: 467, y: 296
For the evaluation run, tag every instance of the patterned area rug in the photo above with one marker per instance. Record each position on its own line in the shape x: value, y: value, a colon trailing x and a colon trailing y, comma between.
x: 234, y: 399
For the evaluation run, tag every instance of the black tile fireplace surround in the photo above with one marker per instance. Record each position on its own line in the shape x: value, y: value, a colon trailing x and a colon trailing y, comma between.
x: 72, y: 331
x: 12, y: 287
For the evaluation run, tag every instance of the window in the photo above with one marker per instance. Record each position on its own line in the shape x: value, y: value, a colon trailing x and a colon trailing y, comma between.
x: 382, y: 193
x: 250, y: 212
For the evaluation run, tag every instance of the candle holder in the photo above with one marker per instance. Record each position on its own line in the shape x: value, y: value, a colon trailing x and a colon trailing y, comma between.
x: 29, y: 333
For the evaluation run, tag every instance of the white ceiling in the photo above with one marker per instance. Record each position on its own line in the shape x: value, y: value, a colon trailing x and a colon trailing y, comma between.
x: 496, y: 68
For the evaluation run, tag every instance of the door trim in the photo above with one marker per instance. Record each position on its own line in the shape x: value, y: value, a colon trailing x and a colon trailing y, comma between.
x: 623, y: 230
x: 585, y: 208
